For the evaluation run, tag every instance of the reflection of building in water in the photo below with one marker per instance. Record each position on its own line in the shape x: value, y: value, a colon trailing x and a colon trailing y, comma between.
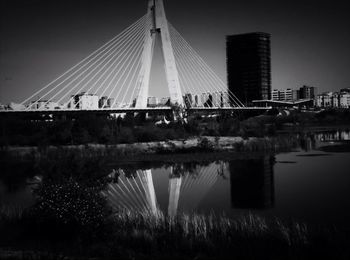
x: 187, y: 187
x: 332, y: 136
x: 307, y: 142
x: 312, y: 141
x: 252, y: 183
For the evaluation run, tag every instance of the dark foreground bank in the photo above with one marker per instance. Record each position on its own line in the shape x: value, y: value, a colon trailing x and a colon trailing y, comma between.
x: 142, y: 235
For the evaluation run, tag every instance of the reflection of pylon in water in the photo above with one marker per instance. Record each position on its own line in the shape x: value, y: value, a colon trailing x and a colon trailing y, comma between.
x: 174, y: 195
x: 134, y: 193
x: 186, y: 190
x: 146, y: 178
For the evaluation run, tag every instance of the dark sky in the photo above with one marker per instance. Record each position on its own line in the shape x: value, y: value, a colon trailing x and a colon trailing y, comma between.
x: 41, y: 39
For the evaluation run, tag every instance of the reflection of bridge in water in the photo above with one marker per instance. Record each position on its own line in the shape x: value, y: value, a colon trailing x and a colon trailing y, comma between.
x: 251, y: 186
x: 137, y: 192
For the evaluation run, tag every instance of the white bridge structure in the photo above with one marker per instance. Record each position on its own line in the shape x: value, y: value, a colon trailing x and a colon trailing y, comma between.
x: 185, y: 191
x: 117, y: 75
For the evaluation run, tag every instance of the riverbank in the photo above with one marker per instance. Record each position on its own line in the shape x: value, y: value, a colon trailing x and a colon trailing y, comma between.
x: 195, y: 144
x: 291, y: 128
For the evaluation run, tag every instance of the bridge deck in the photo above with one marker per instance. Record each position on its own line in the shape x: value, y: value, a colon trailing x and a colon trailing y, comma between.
x: 128, y: 110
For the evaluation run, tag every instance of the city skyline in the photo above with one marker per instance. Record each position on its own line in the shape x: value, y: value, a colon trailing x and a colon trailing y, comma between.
x: 42, y: 40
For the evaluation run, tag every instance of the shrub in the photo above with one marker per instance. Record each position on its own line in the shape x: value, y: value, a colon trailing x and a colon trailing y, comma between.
x: 205, y: 144
x: 125, y: 135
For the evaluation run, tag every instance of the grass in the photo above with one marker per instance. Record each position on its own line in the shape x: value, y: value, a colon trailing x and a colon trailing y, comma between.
x: 249, y: 237
x: 10, y: 213
x: 143, y: 235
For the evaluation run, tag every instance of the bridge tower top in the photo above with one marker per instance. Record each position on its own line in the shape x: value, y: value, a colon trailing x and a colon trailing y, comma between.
x: 156, y: 14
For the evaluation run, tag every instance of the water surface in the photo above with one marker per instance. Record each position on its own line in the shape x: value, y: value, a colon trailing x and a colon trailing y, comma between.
x: 310, y: 184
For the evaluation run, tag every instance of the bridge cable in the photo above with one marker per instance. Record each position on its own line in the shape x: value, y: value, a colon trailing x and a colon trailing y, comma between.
x: 203, y: 65
x: 184, y: 56
x: 125, y: 44
x: 91, y: 56
x: 132, y: 39
x: 122, y: 75
x: 209, y: 71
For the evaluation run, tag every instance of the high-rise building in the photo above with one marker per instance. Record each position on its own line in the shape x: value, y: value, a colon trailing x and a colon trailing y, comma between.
x: 249, y: 66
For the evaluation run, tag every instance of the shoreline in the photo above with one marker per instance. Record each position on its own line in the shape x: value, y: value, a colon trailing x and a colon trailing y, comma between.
x: 312, y: 128
x: 204, y: 144
x: 284, y: 140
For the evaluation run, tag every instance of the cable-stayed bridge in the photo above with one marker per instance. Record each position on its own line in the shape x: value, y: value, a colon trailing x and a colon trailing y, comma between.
x: 116, y: 77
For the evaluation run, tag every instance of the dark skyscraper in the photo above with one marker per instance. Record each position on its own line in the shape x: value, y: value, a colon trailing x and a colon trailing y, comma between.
x: 249, y: 66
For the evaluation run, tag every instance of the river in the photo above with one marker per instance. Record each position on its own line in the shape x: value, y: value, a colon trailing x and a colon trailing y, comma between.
x: 311, y: 183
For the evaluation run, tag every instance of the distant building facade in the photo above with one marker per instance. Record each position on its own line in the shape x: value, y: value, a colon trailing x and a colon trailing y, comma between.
x: 111, y: 102
x: 165, y: 101
x: 207, y: 99
x: 282, y: 95
x: 152, y: 101
x: 188, y: 98
x: 334, y: 99
x: 344, y: 100
x: 249, y: 66
x: 15, y: 106
x: 83, y: 101
x: 204, y: 98
x: 102, y: 103
x: 345, y: 90
x: 106, y: 102
x: 324, y: 99
x: 197, y: 101
x: 44, y: 104
x: 307, y: 92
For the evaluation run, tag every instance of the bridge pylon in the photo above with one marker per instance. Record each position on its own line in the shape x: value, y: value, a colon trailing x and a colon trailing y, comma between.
x: 156, y: 13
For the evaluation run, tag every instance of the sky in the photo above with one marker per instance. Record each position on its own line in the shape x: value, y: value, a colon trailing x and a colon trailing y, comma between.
x: 41, y: 39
